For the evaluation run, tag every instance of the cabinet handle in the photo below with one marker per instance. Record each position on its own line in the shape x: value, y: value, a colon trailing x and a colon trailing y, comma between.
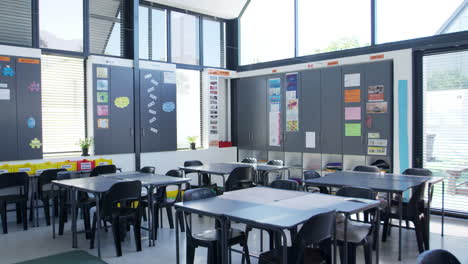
x: 142, y: 132
x: 131, y: 132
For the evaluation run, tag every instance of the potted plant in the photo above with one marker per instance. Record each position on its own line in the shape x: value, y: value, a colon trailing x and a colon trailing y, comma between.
x: 192, y: 140
x: 85, y: 144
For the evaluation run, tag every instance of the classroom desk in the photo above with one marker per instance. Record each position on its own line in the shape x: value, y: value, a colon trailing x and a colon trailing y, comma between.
x: 261, y: 210
x: 389, y: 183
x: 101, y: 184
x: 224, y: 169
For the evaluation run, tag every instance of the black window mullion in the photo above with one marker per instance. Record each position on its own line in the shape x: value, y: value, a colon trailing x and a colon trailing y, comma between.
x: 150, y: 33
x: 373, y: 22
x: 200, y: 40
x: 169, y: 37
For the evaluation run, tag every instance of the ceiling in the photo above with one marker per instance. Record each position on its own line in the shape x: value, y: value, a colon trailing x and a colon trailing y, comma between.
x: 227, y: 9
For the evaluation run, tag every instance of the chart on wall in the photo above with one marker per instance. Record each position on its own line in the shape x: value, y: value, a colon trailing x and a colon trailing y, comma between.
x: 274, y: 102
x: 214, y: 111
x: 292, y: 103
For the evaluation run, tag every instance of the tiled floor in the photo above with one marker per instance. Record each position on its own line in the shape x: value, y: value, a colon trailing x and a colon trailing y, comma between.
x: 21, y: 245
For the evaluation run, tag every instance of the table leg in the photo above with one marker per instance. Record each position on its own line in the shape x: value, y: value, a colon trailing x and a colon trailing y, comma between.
x: 285, y: 246
x: 53, y: 218
x: 151, y: 218
x: 400, y: 213
x: 345, y: 247
x: 443, y: 207
x: 73, y: 208
x: 36, y: 204
x: 377, y: 231
x: 334, y: 241
x: 177, y: 235
x: 98, y: 226
x: 261, y: 240
x: 427, y: 218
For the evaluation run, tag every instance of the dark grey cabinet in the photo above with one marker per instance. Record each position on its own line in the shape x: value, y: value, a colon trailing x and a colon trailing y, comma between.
x: 8, y: 119
x: 310, y: 108
x: 158, y: 101
x: 293, y: 140
x: 332, y: 117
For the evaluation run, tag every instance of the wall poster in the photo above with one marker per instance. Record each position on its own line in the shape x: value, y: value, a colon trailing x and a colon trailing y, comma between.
x: 214, y: 129
x: 292, y: 103
x: 274, y: 100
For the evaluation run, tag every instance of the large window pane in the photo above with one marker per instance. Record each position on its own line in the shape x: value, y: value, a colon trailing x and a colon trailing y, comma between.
x: 322, y: 27
x: 188, y: 107
x: 212, y: 43
x: 59, y: 31
x: 267, y: 31
x: 401, y: 19
x: 445, y: 126
x: 185, y: 38
x: 63, y: 106
x: 106, y: 27
x: 159, y: 35
x: 16, y: 22
x: 144, y: 32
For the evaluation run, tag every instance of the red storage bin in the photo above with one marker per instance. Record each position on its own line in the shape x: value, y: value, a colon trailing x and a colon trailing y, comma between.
x: 225, y: 144
x: 85, y: 165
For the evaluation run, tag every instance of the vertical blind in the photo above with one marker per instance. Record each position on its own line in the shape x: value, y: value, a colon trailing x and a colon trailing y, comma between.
x: 63, y: 103
x: 445, y: 126
x: 16, y: 22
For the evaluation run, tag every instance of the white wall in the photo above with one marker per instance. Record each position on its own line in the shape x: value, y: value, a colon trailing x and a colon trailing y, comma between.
x: 402, y: 70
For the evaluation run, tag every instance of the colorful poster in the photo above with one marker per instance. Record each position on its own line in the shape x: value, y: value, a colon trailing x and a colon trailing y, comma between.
x: 274, y: 91
x: 213, y: 106
x: 102, y: 97
x: 353, y: 113
x: 376, y: 108
x: 352, y: 129
x: 103, y: 123
x: 352, y: 80
x: 292, y: 102
x: 352, y: 96
x: 377, y: 151
x: 377, y: 142
x: 373, y: 135
x: 102, y: 110
x: 101, y: 72
x: 102, y: 85
x: 375, y: 93
x: 122, y: 102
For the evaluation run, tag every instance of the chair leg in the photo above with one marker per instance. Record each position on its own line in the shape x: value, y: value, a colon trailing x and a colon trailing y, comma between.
x: 160, y: 218
x: 116, y: 233
x: 419, y: 238
x: 137, y: 231
x: 155, y: 221
x: 212, y: 255
x: 18, y: 213
x: 55, y: 206
x: 93, y: 232
x: 24, y: 214
x: 190, y: 253
x: 367, y: 252
x: 385, y: 230
x: 424, y: 234
x: 3, y: 209
x: 169, y: 216
x: 46, y: 204
x: 181, y: 222
x: 87, y: 221
x: 246, y: 254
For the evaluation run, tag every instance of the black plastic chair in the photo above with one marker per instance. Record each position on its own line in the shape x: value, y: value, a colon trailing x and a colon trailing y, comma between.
x: 249, y: 160
x: 358, y: 233
x: 318, y: 230
x: 263, y: 177
x: 148, y: 169
x: 311, y: 174
x: 162, y: 201
x: 363, y: 168
x: 209, y: 238
x: 20, y: 181
x: 437, y: 256
x: 412, y: 212
x: 121, y: 207
x: 103, y: 169
x: 45, y: 192
x: 285, y: 185
x: 204, y: 177
x: 240, y: 178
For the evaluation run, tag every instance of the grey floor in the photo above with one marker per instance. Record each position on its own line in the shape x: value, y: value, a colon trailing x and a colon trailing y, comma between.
x: 19, y: 245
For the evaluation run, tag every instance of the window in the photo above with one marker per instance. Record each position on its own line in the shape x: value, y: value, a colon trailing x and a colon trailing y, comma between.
x: 445, y: 126
x: 106, y: 27
x: 418, y: 18
x: 16, y: 22
x: 267, y: 31
x: 59, y: 31
x: 189, y: 107
x: 63, y: 103
x: 324, y: 28
x: 185, y: 38
x: 212, y: 44
x: 153, y: 34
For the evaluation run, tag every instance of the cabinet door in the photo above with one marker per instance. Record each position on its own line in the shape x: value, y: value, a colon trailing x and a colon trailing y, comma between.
x: 150, y: 87
x: 28, y: 76
x: 122, y: 109
x: 310, y: 107
x: 168, y: 112
x: 355, y: 144
x: 102, y: 112
x: 293, y: 139
x: 244, y: 115
x: 258, y: 113
x: 332, y: 105
x: 8, y: 119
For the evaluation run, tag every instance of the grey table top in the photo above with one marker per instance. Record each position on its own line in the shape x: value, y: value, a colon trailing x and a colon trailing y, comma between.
x: 148, y: 178
x: 227, y: 168
x: 376, y: 181
x: 262, y: 167
x: 89, y: 184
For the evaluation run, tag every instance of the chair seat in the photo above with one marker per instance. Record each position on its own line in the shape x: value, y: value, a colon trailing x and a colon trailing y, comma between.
x: 276, y: 256
x: 356, y: 231
x: 298, y: 180
x: 13, y: 198
x: 211, y: 235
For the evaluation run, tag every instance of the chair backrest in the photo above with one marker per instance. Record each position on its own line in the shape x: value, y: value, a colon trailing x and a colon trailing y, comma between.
x: 240, y: 178
x: 148, y: 169
x: 122, y: 193
x: 285, y: 185
x: 15, y: 179
x: 193, y: 195
x: 417, y: 172
x: 249, y: 160
x: 315, y: 230
x: 437, y: 256
x: 275, y: 162
x: 189, y: 163
x: 357, y: 192
x: 48, y: 176
x: 64, y: 175
x: 311, y: 174
x: 103, y: 169
x: 174, y: 173
x: 363, y: 168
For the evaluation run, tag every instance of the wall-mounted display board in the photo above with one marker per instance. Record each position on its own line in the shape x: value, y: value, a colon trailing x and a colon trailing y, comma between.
x: 158, y: 106
x: 113, y: 108
x: 20, y: 108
